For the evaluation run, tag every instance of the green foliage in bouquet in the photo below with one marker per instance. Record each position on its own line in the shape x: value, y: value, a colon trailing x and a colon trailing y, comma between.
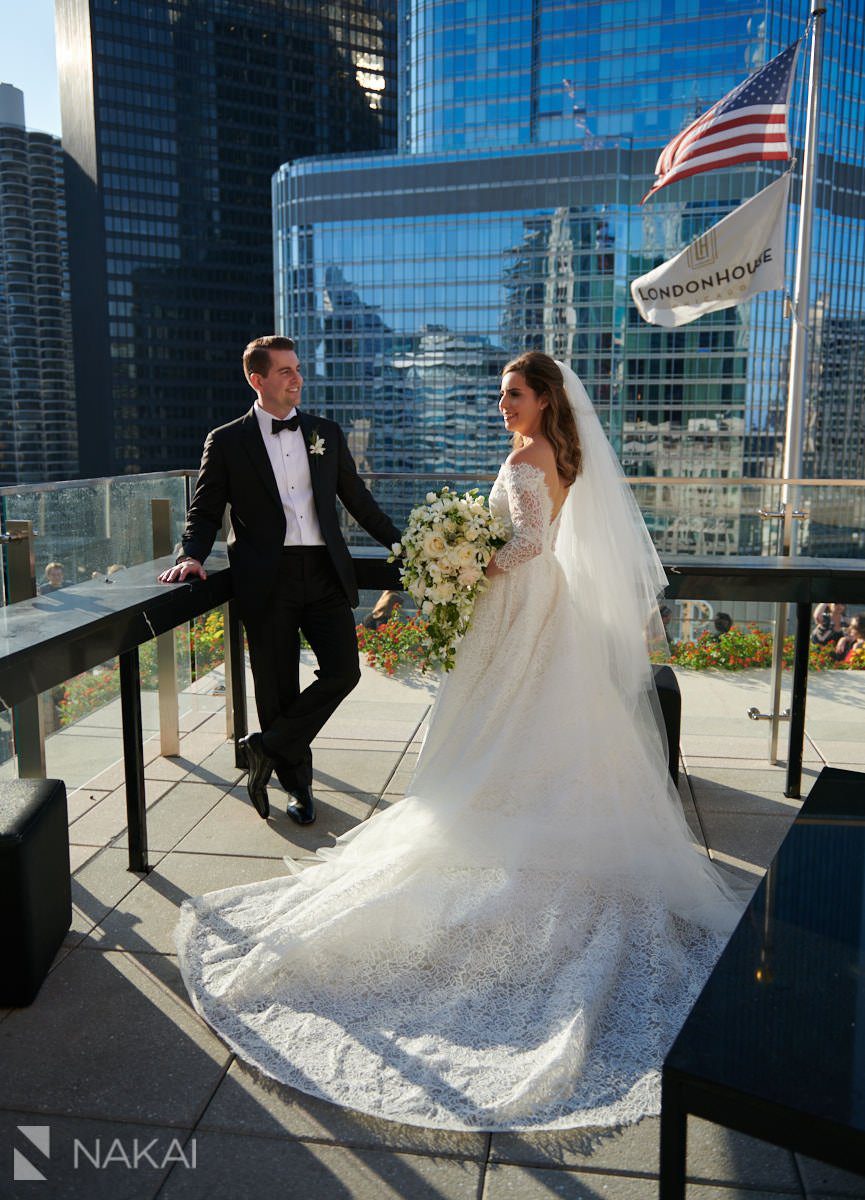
x: 447, y: 543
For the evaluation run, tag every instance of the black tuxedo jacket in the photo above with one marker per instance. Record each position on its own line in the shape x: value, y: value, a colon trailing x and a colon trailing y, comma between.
x: 235, y: 470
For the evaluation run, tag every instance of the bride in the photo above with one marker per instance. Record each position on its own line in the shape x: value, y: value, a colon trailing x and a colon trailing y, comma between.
x: 515, y: 944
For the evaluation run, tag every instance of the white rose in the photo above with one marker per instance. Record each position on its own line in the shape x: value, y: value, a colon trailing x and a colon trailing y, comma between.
x: 441, y: 593
x: 396, y: 548
x: 426, y: 608
x: 469, y: 576
x: 471, y: 534
x: 431, y: 497
x: 434, y: 545
x: 465, y: 554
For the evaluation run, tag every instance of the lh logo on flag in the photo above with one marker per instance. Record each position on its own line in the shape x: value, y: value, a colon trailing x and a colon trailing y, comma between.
x: 704, y: 251
x: 740, y: 256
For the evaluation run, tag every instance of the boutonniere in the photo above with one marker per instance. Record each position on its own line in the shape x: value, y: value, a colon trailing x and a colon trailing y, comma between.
x: 316, y: 443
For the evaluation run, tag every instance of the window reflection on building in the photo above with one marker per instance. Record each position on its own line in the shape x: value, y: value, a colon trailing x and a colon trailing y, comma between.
x: 511, y: 220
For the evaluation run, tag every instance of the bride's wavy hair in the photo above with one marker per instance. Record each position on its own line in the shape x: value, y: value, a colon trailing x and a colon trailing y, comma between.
x: 558, y: 426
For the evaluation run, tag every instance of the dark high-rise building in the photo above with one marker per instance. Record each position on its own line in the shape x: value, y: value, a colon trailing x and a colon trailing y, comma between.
x: 37, y: 397
x: 175, y: 115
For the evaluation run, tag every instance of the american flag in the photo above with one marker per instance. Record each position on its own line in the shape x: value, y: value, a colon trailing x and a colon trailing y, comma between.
x: 747, y: 124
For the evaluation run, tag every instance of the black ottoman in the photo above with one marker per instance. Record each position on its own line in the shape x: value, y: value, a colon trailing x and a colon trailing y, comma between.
x: 671, y: 710
x: 35, y: 888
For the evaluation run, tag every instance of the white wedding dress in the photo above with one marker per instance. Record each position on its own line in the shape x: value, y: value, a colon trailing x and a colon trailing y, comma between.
x: 514, y: 944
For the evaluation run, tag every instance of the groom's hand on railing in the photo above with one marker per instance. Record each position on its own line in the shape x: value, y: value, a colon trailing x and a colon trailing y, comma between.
x: 182, y: 571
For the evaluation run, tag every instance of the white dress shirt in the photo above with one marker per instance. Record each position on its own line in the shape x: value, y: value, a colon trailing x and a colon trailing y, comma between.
x: 288, y: 457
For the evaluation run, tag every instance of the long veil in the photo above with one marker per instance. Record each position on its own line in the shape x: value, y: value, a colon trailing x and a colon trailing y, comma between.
x: 616, y: 580
x: 614, y: 574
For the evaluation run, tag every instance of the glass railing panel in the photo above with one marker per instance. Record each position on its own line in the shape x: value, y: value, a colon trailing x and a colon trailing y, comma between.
x: 81, y: 716
x: 69, y: 529
x: 399, y: 494
x: 834, y: 524
x: 129, y: 514
x: 207, y: 653
x: 92, y: 527
x: 710, y: 516
x: 84, y: 748
x: 725, y: 676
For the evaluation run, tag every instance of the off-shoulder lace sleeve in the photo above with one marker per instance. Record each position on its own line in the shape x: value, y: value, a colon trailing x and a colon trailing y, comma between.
x: 529, y: 504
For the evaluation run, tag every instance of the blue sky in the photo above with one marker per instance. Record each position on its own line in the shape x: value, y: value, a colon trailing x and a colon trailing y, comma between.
x: 27, y: 59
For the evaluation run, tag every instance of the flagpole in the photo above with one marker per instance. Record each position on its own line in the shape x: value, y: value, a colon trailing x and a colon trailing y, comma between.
x: 799, y: 345
x: 792, y: 468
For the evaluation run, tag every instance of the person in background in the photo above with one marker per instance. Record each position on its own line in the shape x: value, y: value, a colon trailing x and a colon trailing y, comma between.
x: 723, y: 623
x: 667, y: 619
x: 382, y: 611
x: 54, y: 579
x: 853, y: 639
x: 830, y: 623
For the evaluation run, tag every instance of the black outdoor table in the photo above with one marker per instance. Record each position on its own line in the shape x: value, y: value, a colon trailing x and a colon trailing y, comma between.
x: 775, y: 1045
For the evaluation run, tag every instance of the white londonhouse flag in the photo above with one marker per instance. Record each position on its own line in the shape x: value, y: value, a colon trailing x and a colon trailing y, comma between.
x: 742, y: 255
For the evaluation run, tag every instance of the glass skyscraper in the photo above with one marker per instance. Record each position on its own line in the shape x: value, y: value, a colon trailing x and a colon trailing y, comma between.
x: 510, y: 219
x: 175, y: 115
x: 37, y: 396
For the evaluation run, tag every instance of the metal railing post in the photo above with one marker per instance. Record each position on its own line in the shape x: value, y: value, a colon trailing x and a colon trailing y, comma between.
x: 166, y: 658
x: 235, y: 681
x: 234, y: 666
x: 28, y: 726
x: 229, y: 672
x: 133, y: 759
x: 797, y: 703
x: 787, y: 513
x: 775, y: 714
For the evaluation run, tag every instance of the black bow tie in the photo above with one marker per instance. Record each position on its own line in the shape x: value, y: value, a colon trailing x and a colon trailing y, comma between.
x: 292, y: 423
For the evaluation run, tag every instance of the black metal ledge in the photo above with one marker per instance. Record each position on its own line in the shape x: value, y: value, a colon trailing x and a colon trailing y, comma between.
x: 791, y: 580
x: 51, y: 638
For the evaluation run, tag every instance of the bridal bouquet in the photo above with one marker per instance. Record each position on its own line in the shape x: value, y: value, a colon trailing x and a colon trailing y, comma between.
x: 446, y: 545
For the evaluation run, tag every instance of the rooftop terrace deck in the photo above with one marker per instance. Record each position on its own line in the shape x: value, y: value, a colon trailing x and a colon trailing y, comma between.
x: 111, y: 1048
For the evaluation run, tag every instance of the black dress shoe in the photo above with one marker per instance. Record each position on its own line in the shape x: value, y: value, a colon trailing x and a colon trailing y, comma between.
x: 301, y: 805
x: 259, y: 770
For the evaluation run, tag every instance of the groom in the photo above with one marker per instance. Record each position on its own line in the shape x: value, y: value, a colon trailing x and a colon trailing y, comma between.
x: 280, y: 471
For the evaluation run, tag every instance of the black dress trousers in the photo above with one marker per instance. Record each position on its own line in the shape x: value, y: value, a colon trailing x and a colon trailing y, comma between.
x: 309, y: 600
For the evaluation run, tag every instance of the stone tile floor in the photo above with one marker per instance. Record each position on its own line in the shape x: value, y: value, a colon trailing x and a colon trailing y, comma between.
x: 110, y: 1056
